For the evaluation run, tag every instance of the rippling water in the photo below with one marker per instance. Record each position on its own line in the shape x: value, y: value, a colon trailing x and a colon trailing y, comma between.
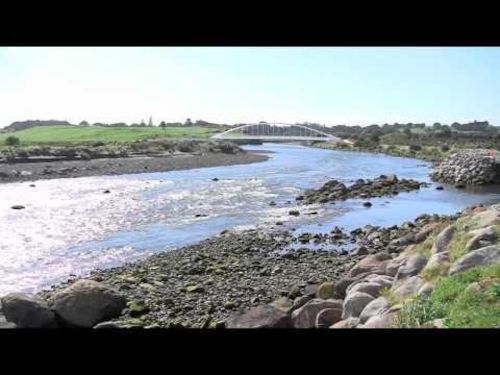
x: 70, y: 227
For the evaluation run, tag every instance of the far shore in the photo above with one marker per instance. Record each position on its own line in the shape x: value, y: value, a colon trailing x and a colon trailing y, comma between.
x: 32, y: 171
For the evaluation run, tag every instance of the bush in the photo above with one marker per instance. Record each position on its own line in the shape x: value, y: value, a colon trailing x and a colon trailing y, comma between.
x: 12, y: 141
x: 445, y: 148
x: 415, y: 148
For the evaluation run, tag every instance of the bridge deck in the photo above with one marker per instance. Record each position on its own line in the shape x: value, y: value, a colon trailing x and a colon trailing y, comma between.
x: 274, y: 137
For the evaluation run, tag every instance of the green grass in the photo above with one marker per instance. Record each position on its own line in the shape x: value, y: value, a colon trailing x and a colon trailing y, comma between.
x: 75, y: 134
x: 459, y: 304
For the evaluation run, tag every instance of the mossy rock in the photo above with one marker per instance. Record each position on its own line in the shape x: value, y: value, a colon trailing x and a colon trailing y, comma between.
x: 137, y: 308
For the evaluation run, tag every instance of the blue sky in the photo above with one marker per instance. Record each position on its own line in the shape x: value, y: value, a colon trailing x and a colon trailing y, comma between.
x: 325, y: 85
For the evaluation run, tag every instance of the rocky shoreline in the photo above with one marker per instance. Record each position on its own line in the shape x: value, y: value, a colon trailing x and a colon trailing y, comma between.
x: 255, y: 279
x: 205, y: 285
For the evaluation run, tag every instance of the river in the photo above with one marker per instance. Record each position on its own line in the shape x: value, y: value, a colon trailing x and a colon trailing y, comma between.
x: 70, y: 227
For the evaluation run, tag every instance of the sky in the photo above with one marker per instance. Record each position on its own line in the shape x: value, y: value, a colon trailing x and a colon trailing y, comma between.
x: 328, y: 85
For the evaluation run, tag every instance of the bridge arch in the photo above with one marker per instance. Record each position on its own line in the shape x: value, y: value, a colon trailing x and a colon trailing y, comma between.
x: 272, y: 131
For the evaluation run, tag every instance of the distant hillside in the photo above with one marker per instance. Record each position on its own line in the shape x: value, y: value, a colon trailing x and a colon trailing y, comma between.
x: 21, y: 125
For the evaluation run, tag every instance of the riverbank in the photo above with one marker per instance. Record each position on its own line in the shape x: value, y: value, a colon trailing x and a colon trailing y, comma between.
x: 223, y: 280
x: 436, y: 271
x: 204, y: 285
x: 15, y: 172
x: 431, y: 154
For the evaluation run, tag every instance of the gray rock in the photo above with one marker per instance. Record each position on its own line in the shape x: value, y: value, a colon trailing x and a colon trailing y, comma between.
x: 412, y: 267
x: 436, y: 260
x: 443, y: 239
x: 346, y: 323
x: 86, y: 303
x: 264, y: 316
x: 325, y: 291
x: 384, y: 280
x: 341, y: 285
x: 305, y: 316
x: 488, y: 217
x: 4, y: 324
x: 392, y: 267
x: 283, y: 304
x: 409, y: 287
x: 27, y: 312
x: 300, y: 301
x: 375, y: 263
x: 375, y: 307
x: 355, y: 303
x: 480, y: 257
x: 328, y: 317
x: 481, y: 238
x: 380, y: 321
x: 371, y: 288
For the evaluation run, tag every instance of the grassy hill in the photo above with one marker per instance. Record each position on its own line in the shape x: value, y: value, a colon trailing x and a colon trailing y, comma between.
x: 72, y: 134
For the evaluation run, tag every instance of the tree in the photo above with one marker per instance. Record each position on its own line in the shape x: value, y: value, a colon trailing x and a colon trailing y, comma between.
x: 188, y: 122
x: 150, y: 122
x: 407, y: 132
x: 12, y: 141
x: 163, y: 125
x: 437, y: 126
x: 84, y: 123
x: 142, y: 123
x: 446, y: 131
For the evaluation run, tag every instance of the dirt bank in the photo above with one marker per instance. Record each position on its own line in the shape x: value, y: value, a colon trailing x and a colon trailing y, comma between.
x: 14, y: 172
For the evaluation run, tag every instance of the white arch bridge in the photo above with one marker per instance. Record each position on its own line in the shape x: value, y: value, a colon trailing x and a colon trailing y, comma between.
x: 277, y: 132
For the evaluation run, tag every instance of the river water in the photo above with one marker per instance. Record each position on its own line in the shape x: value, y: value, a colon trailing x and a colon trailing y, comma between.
x: 70, y: 227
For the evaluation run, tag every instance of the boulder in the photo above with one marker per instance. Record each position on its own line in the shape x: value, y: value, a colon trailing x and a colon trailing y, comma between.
x: 346, y: 323
x: 341, y: 285
x: 328, y: 317
x: 325, y: 291
x: 412, y: 267
x: 425, y: 231
x: 443, y: 239
x: 305, y: 316
x: 384, y: 280
x: 371, y: 288
x: 355, y: 303
x: 426, y: 289
x: 27, y: 312
x: 86, y: 303
x: 409, y: 287
x: 4, y: 324
x: 488, y: 217
x: 481, y: 238
x: 436, y: 260
x: 283, y: 304
x: 375, y: 307
x: 300, y: 301
x: 264, y: 316
x: 392, y: 267
x: 380, y: 321
x: 480, y: 257
x: 375, y: 263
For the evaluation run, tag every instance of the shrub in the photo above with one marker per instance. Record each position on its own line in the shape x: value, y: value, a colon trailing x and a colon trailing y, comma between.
x: 445, y: 148
x: 12, y: 141
x: 415, y: 148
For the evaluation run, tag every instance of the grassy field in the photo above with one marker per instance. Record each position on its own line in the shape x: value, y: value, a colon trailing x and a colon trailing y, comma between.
x: 73, y: 134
